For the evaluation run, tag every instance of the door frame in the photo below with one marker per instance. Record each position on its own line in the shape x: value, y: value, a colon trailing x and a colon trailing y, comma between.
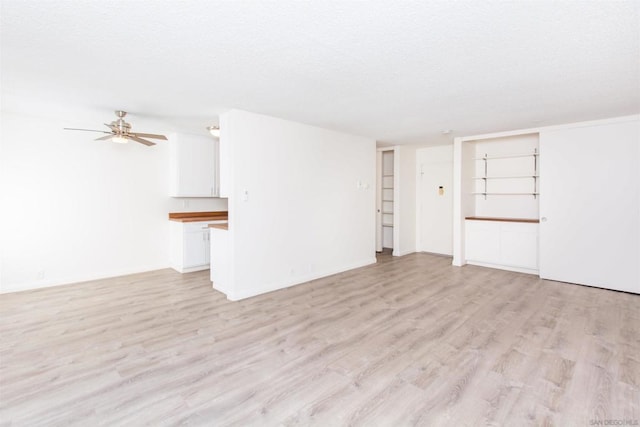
x: 379, y: 230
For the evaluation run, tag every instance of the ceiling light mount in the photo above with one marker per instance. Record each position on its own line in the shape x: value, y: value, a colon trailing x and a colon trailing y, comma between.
x: 214, y: 131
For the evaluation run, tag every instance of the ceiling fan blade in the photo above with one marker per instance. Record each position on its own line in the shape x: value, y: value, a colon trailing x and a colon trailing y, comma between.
x: 149, y: 135
x: 88, y: 130
x: 104, y: 138
x: 112, y: 127
x: 140, y: 140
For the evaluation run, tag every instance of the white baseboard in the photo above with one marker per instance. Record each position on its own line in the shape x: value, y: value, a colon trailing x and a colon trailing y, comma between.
x: 236, y: 296
x: 42, y: 284
x: 431, y: 251
x: 402, y: 253
x: 504, y: 267
x: 190, y: 269
x: 457, y: 262
x: 436, y: 253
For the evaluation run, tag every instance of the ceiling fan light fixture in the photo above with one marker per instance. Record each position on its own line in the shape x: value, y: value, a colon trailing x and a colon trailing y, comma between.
x: 120, y: 139
x: 120, y: 132
x: 214, y: 131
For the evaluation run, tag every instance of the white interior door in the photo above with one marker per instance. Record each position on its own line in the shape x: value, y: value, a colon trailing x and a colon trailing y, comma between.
x: 590, y: 205
x: 435, y: 199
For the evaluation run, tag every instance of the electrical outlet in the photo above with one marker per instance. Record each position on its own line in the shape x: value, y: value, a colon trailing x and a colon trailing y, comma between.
x: 40, y: 274
x: 185, y: 203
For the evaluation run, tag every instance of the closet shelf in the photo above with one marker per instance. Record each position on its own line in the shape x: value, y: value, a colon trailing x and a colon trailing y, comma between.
x: 387, y: 224
x: 506, y: 194
x: 510, y: 156
x: 506, y: 177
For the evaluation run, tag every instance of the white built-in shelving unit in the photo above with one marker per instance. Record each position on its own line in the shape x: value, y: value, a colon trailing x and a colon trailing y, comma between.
x: 501, y: 178
x: 387, y: 198
x: 535, y: 201
x: 528, y: 176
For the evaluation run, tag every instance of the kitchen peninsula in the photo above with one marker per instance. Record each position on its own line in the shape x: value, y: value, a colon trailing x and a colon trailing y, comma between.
x: 190, y: 240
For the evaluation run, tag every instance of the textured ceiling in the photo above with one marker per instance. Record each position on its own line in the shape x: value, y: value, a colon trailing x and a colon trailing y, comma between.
x: 396, y: 71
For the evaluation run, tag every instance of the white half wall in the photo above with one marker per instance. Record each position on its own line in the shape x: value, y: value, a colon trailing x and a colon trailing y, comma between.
x: 75, y: 209
x: 435, y: 204
x: 404, y: 225
x: 302, y: 202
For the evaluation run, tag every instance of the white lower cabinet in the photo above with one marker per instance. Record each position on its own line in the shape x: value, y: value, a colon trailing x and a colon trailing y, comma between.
x: 190, y: 245
x: 508, y: 245
x: 482, y: 241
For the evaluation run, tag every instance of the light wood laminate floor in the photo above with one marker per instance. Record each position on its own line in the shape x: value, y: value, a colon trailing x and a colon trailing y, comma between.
x: 408, y: 341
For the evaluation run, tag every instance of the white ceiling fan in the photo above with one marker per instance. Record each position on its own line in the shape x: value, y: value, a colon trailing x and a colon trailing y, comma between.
x: 121, y: 132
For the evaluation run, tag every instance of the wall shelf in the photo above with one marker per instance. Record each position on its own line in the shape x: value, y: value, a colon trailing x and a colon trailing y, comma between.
x: 507, y: 177
x: 486, y: 177
x: 509, y: 156
x: 500, y: 219
x: 506, y: 194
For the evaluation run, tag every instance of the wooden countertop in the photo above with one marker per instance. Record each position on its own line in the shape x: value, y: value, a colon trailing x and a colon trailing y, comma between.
x: 224, y: 226
x: 198, y: 216
x: 491, y: 218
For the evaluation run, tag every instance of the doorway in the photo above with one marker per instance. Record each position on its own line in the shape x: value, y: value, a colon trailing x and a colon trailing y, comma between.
x: 435, y: 199
x: 385, y: 181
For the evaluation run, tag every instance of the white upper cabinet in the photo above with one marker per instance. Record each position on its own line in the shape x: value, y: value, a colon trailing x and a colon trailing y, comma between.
x: 194, y: 165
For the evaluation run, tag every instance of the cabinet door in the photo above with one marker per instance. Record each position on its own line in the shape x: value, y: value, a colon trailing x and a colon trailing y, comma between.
x: 590, y: 204
x: 519, y: 245
x: 482, y: 242
x: 207, y: 246
x: 193, y: 166
x: 195, y: 248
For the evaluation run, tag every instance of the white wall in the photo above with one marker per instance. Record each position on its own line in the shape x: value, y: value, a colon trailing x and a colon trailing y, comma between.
x: 304, y: 215
x: 75, y: 209
x: 404, y: 227
x: 435, y: 210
